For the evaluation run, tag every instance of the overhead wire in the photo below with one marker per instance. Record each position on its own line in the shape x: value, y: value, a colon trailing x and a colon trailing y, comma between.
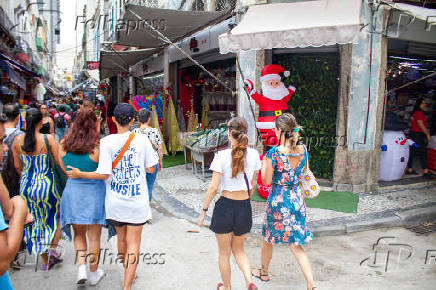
x: 165, y: 39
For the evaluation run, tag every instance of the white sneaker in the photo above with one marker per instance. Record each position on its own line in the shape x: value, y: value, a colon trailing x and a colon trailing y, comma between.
x: 95, y: 277
x: 82, y: 275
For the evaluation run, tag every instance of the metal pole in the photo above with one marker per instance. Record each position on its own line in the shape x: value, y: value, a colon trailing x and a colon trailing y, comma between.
x: 238, y: 65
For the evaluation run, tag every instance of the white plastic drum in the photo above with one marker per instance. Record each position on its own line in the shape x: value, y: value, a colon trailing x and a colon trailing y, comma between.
x: 432, y: 144
x: 393, y: 161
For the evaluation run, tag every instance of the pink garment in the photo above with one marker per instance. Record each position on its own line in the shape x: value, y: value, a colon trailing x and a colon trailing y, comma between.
x: 65, y: 115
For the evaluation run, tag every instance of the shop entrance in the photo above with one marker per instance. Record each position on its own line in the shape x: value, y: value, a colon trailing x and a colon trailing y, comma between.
x: 210, y: 101
x: 410, y: 78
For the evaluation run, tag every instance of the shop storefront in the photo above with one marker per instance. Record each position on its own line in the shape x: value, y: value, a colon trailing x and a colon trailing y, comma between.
x: 16, y: 81
x: 212, y: 101
x: 410, y: 77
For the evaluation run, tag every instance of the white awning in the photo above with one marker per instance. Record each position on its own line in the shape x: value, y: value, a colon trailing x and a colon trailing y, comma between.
x: 412, y: 23
x: 422, y: 13
x: 290, y: 25
x: 173, y: 24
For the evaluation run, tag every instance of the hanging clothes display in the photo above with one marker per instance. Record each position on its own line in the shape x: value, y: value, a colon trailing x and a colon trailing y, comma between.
x: 204, y: 94
x: 155, y: 124
x: 180, y: 117
x: 173, y: 129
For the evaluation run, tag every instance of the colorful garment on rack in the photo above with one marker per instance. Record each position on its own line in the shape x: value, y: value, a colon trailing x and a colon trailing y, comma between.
x: 147, y: 101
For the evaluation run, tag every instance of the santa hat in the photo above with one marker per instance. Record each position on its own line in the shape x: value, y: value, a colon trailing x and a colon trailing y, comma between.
x: 272, y: 71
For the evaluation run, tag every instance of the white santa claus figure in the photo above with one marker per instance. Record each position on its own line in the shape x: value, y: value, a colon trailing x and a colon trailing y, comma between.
x: 273, y: 102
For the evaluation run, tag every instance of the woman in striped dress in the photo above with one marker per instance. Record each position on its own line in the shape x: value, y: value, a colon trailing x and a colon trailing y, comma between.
x: 38, y: 189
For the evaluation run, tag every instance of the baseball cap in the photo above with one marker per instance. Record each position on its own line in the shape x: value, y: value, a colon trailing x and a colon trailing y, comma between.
x: 123, y: 111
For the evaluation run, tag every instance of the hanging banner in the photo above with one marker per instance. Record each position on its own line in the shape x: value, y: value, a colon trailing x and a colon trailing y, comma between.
x: 40, y: 91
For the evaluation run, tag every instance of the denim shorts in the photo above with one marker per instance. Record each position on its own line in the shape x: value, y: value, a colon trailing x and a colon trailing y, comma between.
x: 231, y: 215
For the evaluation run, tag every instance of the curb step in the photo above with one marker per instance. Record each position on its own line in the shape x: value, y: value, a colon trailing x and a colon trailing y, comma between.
x: 417, y: 216
x: 400, y: 218
x: 394, y: 218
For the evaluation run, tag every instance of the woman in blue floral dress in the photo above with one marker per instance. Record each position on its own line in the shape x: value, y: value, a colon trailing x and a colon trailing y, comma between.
x: 285, y: 221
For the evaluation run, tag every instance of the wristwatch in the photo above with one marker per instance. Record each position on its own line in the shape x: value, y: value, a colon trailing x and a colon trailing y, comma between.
x: 205, y: 209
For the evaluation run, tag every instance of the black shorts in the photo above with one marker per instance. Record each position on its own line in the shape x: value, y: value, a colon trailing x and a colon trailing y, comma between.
x: 231, y: 215
x: 115, y: 223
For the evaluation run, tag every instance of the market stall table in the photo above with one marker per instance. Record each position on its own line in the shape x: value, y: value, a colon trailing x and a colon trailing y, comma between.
x: 198, y: 154
x: 204, y: 157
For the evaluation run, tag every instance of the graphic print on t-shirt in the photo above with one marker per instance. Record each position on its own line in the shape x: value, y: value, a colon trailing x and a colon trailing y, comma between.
x: 125, y: 179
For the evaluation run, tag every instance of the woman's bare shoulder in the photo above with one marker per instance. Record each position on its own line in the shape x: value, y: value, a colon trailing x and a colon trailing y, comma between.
x: 17, y: 141
x: 300, y: 148
x: 50, y: 137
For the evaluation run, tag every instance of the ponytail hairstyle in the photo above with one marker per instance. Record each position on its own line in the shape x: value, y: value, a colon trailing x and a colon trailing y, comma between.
x: 289, y: 128
x: 238, y: 130
x: 33, y: 117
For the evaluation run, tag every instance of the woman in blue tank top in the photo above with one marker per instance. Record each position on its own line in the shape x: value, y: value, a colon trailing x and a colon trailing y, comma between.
x: 82, y: 204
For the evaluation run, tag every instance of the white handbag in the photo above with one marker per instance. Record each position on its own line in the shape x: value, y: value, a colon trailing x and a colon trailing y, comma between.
x: 309, y: 186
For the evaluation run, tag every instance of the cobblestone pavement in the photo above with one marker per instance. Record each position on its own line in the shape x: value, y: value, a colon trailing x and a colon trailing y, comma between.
x: 182, y: 185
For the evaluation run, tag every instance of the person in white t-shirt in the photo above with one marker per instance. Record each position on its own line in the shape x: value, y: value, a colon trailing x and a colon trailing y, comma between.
x: 127, y: 205
x: 236, y: 169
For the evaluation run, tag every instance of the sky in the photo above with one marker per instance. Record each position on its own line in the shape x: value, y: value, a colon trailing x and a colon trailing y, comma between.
x: 66, y: 50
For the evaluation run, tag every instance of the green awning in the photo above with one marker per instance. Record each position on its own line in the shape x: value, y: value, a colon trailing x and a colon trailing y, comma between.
x: 39, y: 43
x: 41, y: 71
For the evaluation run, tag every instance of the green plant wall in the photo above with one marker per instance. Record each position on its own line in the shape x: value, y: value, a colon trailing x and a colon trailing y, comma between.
x: 314, y: 104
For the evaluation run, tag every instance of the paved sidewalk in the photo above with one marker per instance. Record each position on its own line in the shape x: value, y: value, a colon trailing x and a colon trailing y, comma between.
x: 179, y: 192
x: 187, y: 260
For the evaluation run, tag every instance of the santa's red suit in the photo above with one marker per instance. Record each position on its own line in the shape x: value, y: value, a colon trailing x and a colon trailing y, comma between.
x: 270, y: 109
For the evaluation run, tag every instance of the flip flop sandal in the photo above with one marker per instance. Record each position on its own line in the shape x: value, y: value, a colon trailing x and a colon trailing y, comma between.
x: 53, y: 259
x: 15, y: 265
x: 260, y: 276
x: 219, y: 286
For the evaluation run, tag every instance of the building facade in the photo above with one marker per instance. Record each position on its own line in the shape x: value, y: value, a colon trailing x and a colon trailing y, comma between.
x: 28, y: 43
x: 356, y: 88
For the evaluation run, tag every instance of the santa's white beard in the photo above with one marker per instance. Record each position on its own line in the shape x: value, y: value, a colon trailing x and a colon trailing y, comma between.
x: 275, y: 94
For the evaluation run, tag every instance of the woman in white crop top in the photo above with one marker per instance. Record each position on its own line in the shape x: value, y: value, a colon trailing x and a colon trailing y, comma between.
x: 236, y: 169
